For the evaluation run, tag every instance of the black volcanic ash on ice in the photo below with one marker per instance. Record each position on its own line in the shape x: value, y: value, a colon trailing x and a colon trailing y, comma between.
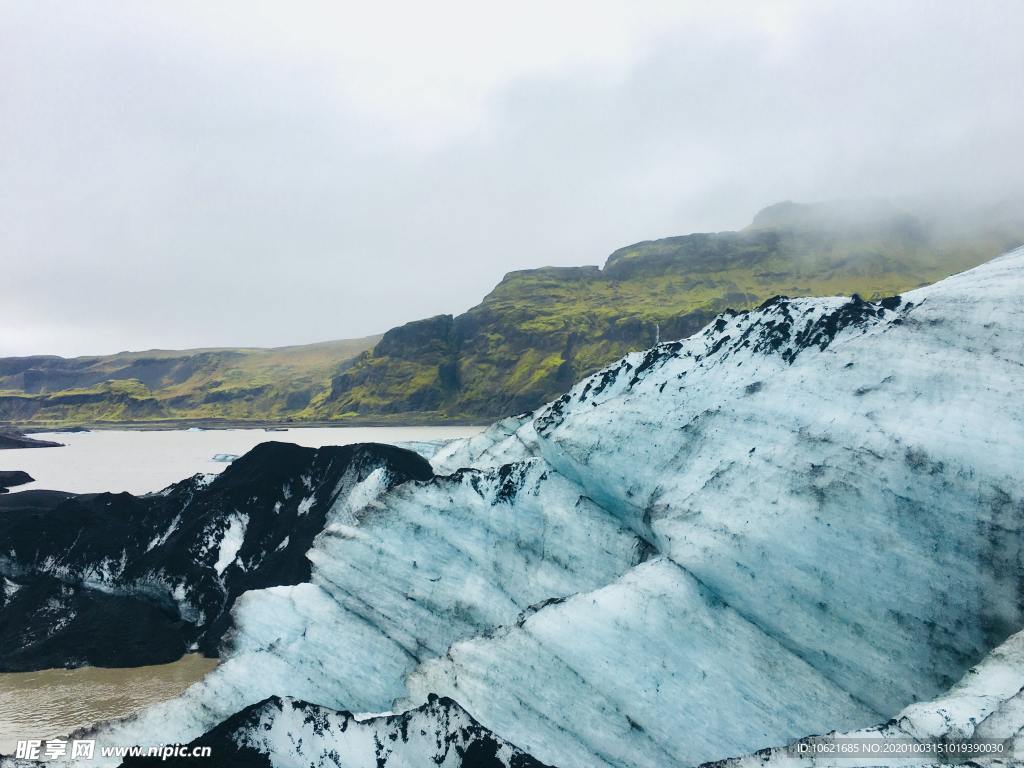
x: 121, y: 580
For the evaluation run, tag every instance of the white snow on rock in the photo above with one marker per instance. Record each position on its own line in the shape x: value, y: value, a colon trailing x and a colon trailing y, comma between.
x: 231, y: 542
x: 162, y: 538
x: 306, y: 504
x: 298, y: 734
x: 801, y: 519
x: 9, y: 587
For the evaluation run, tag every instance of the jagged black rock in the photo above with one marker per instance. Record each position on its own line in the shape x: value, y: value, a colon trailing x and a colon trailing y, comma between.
x: 153, y: 561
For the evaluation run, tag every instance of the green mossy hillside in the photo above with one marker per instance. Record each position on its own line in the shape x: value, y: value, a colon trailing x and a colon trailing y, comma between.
x: 170, y: 386
x: 531, y: 338
x: 540, y: 330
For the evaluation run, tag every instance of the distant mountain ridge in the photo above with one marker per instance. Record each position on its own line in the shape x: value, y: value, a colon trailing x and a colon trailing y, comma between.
x: 541, y: 329
x: 538, y: 331
x: 216, y: 383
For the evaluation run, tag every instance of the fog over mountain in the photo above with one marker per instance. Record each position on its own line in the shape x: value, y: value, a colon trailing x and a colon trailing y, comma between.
x: 260, y: 174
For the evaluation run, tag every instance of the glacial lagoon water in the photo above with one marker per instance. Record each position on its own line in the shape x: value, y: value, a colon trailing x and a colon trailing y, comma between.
x: 144, y: 461
x: 52, y: 703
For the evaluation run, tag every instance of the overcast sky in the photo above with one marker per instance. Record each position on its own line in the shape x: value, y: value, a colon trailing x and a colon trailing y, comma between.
x: 179, y: 174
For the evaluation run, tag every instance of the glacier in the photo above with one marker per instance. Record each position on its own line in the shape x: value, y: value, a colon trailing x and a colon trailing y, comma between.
x: 985, y: 708
x: 804, y: 519
x: 397, y: 577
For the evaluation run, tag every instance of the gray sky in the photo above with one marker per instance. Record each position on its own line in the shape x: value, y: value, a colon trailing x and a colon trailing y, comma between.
x: 174, y: 174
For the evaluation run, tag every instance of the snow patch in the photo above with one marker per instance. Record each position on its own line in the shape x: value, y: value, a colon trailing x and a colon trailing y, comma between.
x: 231, y: 542
x: 162, y: 538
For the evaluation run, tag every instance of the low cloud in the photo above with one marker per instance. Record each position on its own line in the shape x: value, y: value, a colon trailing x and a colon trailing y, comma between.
x: 256, y: 175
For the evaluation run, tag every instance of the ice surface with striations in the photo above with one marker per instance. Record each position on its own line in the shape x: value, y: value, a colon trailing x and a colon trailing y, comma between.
x: 803, y: 518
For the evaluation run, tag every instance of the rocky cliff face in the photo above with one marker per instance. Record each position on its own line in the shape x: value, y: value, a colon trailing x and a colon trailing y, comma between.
x: 804, y: 518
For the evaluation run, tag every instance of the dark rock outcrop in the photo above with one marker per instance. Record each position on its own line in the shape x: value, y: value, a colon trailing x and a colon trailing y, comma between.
x: 10, y: 438
x: 439, y: 733
x: 47, y: 623
x: 173, y: 561
x: 9, y: 479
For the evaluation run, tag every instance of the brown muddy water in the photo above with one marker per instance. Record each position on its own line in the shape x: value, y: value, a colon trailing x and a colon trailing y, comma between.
x: 54, y: 702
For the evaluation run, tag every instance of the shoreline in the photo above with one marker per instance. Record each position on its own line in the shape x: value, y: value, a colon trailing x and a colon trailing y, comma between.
x: 215, y: 424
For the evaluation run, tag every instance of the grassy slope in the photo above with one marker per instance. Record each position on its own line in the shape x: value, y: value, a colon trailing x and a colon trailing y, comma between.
x: 540, y: 330
x: 157, y: 385
x: 535, y: 334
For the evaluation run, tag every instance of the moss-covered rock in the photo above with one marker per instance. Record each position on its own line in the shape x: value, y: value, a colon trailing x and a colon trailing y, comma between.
x: 541, y: 329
